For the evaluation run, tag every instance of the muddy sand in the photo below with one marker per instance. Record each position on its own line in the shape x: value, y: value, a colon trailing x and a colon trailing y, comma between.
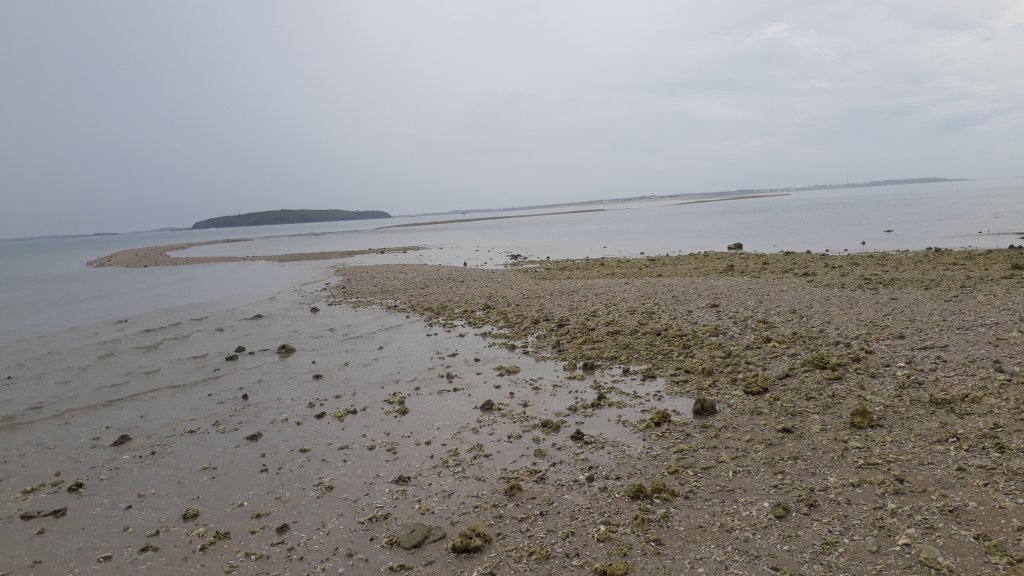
x: 539, y: 420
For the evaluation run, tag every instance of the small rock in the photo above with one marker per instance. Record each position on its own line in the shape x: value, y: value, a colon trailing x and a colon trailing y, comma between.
x: 76, y: 486
x: 413, y: 536
x: 487, y: 405
x: 781, y: 510
x: 513, y: 489
x: 32, y: 515
x: 660, y: 417
x: 283, y: 529
x: 549, y: 426
x: 314, y: 309
x: 436, y: 534
x: 507, y: 370
x: 122, y: 439
x: 637, y: 491
x: 755, y: 387
x: 105, y: 557
x: 285, y: 350
x: 190, y: 514
x: 218, y: 536
x: 472, y: 539
x: 705, y: 407
x: 231, y: 357
x: 578, y: 436
x: 931, y: 557
x: 239, y: 349
x: 861, y: 418
x: 618, y: 568
x: 254, y: 437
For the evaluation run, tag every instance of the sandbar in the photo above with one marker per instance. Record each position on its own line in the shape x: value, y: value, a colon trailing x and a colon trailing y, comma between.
x: 159, y: 255
x: 485, y: 218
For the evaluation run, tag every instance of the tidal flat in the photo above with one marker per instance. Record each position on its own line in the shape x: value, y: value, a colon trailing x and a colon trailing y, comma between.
x: 718, y: 412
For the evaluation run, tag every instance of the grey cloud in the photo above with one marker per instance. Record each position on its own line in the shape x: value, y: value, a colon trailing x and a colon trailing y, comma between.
x: 121, y: 115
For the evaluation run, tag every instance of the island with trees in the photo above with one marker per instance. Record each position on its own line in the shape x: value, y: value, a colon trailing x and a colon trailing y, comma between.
x: 273, y: 217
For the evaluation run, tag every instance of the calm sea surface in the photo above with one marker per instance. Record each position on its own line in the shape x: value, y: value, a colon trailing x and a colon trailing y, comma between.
x: 46, y: 288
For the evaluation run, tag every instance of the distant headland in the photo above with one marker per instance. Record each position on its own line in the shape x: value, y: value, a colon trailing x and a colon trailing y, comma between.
x: 273, y: 217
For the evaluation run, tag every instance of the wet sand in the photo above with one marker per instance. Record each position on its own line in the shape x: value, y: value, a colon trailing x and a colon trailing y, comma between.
x: 868, y: 423
x: 311, y: 462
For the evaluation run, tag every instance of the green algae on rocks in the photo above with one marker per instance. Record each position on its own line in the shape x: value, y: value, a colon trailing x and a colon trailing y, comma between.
x: 470, y: 540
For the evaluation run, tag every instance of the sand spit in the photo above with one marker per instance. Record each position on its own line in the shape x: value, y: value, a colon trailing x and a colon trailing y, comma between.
x: 584, y: 211
x: 484, y: 218
x: 868, y: 409
x: 159, y: 255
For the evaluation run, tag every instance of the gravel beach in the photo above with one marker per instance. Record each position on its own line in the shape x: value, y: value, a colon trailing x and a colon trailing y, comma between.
x: 868, y: 405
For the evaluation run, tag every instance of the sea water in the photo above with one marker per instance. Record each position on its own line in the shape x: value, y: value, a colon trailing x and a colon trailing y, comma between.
x: 46, y: 287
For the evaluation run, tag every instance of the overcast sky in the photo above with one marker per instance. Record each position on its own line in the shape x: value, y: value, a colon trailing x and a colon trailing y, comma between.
x: 118, y: 116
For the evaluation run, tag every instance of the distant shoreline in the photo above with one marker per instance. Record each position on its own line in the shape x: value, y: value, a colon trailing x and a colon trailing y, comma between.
x: 728, y: 194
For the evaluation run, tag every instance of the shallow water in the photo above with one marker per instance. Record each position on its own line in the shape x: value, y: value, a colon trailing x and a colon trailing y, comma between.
x: 47, y: 288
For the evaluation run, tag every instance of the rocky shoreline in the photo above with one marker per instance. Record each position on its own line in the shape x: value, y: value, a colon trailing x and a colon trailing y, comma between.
x: 869, y: 405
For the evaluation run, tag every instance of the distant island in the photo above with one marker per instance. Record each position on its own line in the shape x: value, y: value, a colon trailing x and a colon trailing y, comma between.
x: 273, y: 217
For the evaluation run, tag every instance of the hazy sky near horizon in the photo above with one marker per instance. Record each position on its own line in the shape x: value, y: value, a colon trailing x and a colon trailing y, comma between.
x: 119, y: 116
